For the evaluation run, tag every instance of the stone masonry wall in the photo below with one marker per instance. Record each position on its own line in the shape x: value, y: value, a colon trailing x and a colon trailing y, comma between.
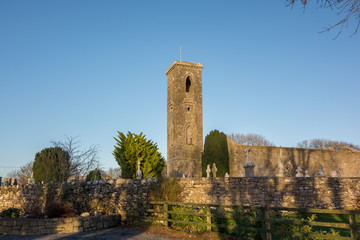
x: 273, y: 161
x: 115, y: 197
x: 57, y: 225
x: 121, y: 196
x: 332, y: 193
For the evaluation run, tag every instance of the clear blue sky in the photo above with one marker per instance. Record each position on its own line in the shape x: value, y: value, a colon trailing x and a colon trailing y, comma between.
x: 92, y: 68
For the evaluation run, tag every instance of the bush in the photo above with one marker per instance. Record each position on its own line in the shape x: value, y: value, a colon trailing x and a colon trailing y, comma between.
x: 51, y: 165
x: 11, y: 212
x: 188, y: 227
x: 237, y: 217
x: 57, y: 210
x: 166, y: 189
x: 301, y: 228
x: 93, y: 175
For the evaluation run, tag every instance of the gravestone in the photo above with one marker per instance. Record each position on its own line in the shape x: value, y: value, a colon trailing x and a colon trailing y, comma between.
x: 249, y: 166
x: 321, y: 173
x: 208, y: 170
x: 138, y: 172
x: 335, y: 174
x: 299, y: 172
x: 214, y: 170
x: 226, y: 175
x: 289, y: 169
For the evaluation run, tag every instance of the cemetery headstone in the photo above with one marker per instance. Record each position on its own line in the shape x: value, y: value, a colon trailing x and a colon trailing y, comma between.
x: 214, y: 170
x: 299, y: 172
x: 138, y: 172
x: 208, y: 170
x: 249, y: 166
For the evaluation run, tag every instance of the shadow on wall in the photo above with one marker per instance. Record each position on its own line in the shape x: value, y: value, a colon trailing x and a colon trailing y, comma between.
x: 274, y: 161
x: 110, y: 197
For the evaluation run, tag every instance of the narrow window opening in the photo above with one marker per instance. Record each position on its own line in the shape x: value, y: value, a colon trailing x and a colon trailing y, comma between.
x: 188, y: 84
x: 189, y: 135
x: 188, y: 108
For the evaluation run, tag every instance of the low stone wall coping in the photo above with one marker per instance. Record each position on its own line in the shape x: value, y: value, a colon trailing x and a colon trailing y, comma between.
x: 28, y: 226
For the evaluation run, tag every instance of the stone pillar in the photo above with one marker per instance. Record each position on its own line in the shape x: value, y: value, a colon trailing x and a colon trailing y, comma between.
x: 249, y: 169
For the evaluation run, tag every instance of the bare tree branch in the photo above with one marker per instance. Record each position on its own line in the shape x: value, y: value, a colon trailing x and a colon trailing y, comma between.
x: 81, y: 160
x: 250, y: 139
x: 346, y: 10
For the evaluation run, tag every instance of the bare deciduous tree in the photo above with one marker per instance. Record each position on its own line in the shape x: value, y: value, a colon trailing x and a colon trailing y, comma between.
x: 24, y: 174
x: 112, y: 173
x: 319, y: 143
x: 250, y: 139
x: 348, y: 10
x: 81, y: 160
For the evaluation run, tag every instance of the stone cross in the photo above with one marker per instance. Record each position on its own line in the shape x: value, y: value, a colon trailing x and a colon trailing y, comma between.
x: 138, y: 172
x: 214, y: 170
x: 249, y: 166
x: 321, y: 173
x: 299, y: 172
x: 247, y: 154
x: 208, y: 170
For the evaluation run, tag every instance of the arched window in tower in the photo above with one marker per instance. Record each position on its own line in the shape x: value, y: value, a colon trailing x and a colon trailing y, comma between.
x: 189, y: 135
x: 188, y: 84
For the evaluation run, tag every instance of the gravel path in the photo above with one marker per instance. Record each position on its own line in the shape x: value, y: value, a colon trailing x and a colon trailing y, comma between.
x: 114, y: 233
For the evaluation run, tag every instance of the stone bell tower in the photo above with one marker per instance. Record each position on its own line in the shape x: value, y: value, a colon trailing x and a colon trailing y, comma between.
x: 184, y: 119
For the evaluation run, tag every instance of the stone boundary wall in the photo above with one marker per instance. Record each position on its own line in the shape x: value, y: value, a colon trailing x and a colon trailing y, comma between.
x: 112, y: 197
x: 273, y: 161
x: 57, y: 225
x: 302, y: 192
x: 121, y: 196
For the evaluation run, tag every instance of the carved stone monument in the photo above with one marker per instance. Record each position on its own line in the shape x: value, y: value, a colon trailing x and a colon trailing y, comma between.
x: 321, y: 173
x: 138, y: 172
x: 289, y: 169
x: 299, y: 172
x: 249, y: 165
x: 226, y: 175
x: 208, y: 170
x: 214, y: 170
x: 307, y: 173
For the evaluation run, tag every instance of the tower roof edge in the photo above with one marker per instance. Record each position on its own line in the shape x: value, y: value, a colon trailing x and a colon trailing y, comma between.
x: 183, y: 64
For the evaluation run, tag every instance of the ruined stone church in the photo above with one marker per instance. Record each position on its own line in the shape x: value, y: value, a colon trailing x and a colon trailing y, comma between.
x: 185, y: 138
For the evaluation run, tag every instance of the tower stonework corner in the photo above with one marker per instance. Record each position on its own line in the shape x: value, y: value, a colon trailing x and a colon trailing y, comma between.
x: 184, y: 119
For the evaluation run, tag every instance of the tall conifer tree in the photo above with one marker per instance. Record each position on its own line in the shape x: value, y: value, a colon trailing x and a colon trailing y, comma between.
x: 133, y: 148
x: 216, y: 151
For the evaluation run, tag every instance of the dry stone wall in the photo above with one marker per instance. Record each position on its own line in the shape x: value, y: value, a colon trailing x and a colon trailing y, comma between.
x: 332, y: 193
x: 115, y: 197
x: 57, y: 225
x: 120, y: 197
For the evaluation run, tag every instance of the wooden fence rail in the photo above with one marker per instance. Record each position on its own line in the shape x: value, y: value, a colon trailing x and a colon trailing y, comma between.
x: 270, y: 222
